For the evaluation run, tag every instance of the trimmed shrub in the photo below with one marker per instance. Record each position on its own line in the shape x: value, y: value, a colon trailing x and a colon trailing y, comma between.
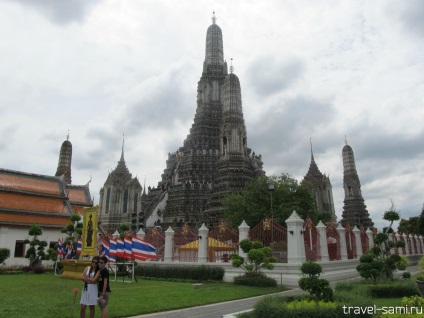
x: 257, y: 281
x: 39, y: 270
x: 393, y: 290
x: 197, y: 273
x: 27, y: 269
x: 300, y: 307
x: 4, y: 254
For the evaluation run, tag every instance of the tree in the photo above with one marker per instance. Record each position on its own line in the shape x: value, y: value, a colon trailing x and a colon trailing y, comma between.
x: 255, y: 202
x: 35, y: 253
x: 379, y: 261
x: 420, y: 230
x: 75, y: 226
x: 311, y: 282
x: 409, y: 226
x: 4, y: 254
x: 258, y: 257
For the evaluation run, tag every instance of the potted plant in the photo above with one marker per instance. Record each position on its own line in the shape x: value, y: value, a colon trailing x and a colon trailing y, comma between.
x: 403, y: 263
x: 420, y: 279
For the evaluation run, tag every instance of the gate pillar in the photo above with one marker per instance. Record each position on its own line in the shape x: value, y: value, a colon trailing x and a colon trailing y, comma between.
x: 358, y: 241
x: 343, y: 249
x: 370, y: 238
x: 243, y: 234
x: 295, y: 242
x: 140, y: 234
x: 323, y: 241
x: 169, y: 237
x: 202, y: 255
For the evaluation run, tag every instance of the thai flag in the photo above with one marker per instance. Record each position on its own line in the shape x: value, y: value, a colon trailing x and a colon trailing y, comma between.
x: 105, y: 248
x: 128, y: 248
x: 112, y: 250
x: 68, y: 251
x: 120, y: 247
x: 79, y: 246
x: 59, y: 249
x: 142, y: 250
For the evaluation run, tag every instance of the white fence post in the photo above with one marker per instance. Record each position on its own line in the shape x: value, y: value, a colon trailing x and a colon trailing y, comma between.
x: 343, y: 251
x: 295, y: 242
x: 243, y: 234
x: 169, y: 236
x: 202, y: 255
x: 358, y: 241
x: 323, y: 244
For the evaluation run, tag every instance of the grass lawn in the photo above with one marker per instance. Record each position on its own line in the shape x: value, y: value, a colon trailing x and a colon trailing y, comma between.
x: 46, y: 295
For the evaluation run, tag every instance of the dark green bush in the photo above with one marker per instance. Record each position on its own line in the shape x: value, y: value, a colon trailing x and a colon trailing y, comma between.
x: 255, y: 281
x: 406, y: 275
x: 27, y: 269
x: 393, y: 290
x: 39, y: 270
x: 197, y: 273
x: 4, y: 254
x: 300, y: 307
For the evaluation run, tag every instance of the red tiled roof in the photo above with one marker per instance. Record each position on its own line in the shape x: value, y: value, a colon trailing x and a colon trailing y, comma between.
x: 30, y: 183
x: 22, y: 202
x: 77, y: 195
x: 21, y: 218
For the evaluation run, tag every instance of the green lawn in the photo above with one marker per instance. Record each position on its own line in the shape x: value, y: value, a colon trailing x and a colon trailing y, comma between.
x: 46, y: 295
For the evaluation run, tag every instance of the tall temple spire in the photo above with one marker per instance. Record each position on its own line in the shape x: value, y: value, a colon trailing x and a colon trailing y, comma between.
x: 321, y: 188
x: 65, y: 160
x: 354, y: 209
x: 214, y: 44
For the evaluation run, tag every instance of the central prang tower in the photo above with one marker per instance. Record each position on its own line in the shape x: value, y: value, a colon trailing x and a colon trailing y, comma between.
x: 214, y: 159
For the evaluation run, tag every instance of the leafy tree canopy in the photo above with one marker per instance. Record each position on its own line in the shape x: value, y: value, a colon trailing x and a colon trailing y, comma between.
x: 409, y: 226
x: 255, y: 202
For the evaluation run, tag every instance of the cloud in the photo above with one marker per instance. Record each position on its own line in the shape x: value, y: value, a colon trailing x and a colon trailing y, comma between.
x: 61, y: 12
x: 269, y: 76
x: 409, y: 14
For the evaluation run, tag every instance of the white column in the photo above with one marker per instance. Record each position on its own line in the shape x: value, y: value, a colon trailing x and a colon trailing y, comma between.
x: 407, y: 241
x: 397, y: 240
x: 358, y: 241
x: 370, y: 238
x: 243, y: 234
x: 295, y: 243
x: 202, y: 255
x: 169, y: 237
x: 140, y: 234
x: 420, y: 239
x: 323, y: 245
x: 343, y: 250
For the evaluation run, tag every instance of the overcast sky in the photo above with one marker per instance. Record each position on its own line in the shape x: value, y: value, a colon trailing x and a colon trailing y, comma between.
x: 308, y: 69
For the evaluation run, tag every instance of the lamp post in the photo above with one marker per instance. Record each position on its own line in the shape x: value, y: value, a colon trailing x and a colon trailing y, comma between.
x: 271, y: 188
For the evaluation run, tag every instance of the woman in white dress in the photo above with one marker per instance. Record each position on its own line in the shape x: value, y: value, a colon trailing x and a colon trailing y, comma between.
x: 90, y: 291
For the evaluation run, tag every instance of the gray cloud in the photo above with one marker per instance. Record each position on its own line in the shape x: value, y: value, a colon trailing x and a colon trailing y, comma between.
x: 410, y: 14
x: 61, y: 12
x: 268, y: 75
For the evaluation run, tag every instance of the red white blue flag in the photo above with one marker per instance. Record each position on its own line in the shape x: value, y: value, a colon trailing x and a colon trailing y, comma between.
x: 68, y: 251
x: 59, y: 249
x: 79, y: 246
x: 112, y: 250
x: 120, y: 247
x: 141, y: 250
x: 128, y: 248
x: 105, y: 248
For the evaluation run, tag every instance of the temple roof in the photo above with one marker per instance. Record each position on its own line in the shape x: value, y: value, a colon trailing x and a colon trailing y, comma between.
x: 27, y: 198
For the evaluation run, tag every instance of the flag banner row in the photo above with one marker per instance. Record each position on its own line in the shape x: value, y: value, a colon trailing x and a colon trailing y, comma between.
x: 129, y: 249
x: 65, y: 251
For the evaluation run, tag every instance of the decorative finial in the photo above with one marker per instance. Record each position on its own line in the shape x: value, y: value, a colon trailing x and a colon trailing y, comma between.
x: 213, y: 18
x: 231, y: 66
x: 345, y: 140
x: 312, y: 153
x: 123, y: 140
x: 67, y: 136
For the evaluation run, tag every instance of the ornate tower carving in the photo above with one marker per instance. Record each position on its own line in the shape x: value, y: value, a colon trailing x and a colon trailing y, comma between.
x: 321, y: 188
x: 191, y: 172
x: 65, y: 160
x: 120, y: 198
x: 354, y: 209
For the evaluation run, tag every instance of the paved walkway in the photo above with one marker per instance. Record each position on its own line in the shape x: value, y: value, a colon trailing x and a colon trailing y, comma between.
x: 219, y: 310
